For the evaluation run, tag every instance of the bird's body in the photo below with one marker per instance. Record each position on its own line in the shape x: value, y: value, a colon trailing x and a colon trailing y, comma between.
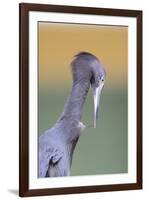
x: 56, y: 151
x: 57, y: 144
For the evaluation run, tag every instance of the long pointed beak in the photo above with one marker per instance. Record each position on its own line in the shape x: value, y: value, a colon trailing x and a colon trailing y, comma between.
x: 96, y: 98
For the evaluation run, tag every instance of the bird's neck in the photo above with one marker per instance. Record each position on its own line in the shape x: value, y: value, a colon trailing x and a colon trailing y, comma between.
x: 74, y: 104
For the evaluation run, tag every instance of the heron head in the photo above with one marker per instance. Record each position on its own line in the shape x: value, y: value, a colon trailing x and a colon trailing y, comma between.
x: 86, y: 66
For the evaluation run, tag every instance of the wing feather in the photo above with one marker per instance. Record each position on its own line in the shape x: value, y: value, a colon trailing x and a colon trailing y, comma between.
x: 48, y: 155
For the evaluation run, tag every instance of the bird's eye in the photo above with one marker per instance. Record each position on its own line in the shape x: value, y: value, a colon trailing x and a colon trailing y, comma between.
x: 102, y: 78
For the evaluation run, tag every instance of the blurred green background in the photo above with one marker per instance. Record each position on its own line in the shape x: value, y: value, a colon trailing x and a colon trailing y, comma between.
x: 103, y: 150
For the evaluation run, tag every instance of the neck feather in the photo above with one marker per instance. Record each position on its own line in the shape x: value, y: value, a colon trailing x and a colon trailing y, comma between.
x: 75, y: 102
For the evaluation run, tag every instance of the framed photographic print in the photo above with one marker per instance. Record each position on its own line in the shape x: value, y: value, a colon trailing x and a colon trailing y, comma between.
x: 80, y: 99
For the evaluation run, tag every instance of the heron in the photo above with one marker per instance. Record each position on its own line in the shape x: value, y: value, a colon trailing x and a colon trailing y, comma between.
x: 57, y: 144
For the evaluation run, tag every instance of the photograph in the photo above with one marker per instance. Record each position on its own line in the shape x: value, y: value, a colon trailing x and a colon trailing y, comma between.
x: 85, y: 136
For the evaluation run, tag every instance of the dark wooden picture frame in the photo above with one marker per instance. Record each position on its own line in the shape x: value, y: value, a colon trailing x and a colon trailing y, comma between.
x: 24, y: 10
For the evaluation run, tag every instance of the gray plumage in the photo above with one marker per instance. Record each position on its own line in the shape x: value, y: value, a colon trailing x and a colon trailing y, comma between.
x: 57, y: 144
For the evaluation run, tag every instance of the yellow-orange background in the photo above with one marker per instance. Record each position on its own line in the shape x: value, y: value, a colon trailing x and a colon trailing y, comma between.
x: 58, y: 43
